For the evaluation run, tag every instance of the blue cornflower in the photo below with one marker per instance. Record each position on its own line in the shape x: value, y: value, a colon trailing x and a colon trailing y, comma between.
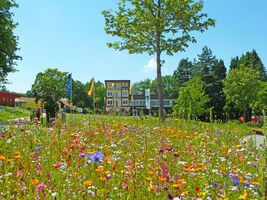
x: 38, y: 148
x: 236, y: 181
x: 215, y: 185
x: 97, y: 157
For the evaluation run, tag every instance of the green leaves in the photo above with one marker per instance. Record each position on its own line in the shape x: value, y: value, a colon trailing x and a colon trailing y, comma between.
x: 241, y: 86
x: 8, y: 41
x: 192, y: 99
x: 49, y: 87
x: 136, y: 23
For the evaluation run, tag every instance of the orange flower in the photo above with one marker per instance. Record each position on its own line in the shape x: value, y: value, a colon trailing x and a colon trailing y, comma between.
x: 17, y: 157
x: 162, y: 179
x: 87, y: 183
x: 178, y: 186
x: 35, y: 181
x: 16, y: 153
x: 102, y: 178
x: 157, y: 168
x: 150, y: 172
x: 3, y: 158
x: 99, y: 169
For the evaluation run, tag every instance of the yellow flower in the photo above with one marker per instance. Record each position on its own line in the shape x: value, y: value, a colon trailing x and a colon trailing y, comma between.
x: 91, y: 152
x: 87, y: 183
x: 35, y: 181
x: 149, y: 179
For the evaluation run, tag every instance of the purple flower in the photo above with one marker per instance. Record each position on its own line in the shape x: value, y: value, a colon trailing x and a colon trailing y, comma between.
x: 38, y: 148
x: 236, y: 181
x: 246, y: 184
x: 97, y: 157
x: 176, y: 155
x: 215, y: 185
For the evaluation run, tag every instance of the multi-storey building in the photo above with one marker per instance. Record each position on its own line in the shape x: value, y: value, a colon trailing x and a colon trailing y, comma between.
x: 117, y: 95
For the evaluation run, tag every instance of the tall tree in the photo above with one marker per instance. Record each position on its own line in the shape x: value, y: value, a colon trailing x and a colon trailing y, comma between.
x: 182, y: 74
x: 234, y: 63
x: 192, y: 99
x: 252, y: 60
x: 241, y: 87
x: 206, y: 60
x: 49, y: 87
x: 217, y: 96
x: 8, y: 41
x: 154, y: 27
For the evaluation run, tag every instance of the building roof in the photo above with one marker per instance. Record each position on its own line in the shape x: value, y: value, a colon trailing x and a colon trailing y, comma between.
x: 10, y: 93
x: 117, y: 81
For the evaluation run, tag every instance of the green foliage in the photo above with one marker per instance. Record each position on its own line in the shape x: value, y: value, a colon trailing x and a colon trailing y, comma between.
x: 212, y: 72
x: 80, y: 97
x: 260, y: 105
x: 250, y: 60
x: 49, y: 87
x: 182, y: 74
x: 192, y: 99
x: 138, y: 88
x: 155, y: 27
x: 241, y: 86
x: 8, y: 41
x: 99, y: 96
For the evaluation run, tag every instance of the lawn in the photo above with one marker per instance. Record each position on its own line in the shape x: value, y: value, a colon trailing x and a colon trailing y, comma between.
x: 7, y: 113
x: 101, y: 157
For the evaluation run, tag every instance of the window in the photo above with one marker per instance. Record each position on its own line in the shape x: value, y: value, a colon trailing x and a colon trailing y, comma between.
x: 125, y: 94
x: 117, y: 103
x: 117, y: 95
x: 125, y: 102
x: 109, y: 94
x: 110, y: 86
x: 110, y: 103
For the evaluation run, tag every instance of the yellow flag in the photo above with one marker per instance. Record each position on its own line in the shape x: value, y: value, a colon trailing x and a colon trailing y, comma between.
x: 90, y: 92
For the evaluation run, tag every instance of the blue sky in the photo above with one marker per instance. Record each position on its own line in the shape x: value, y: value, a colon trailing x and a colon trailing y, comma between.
x: 70, y: 37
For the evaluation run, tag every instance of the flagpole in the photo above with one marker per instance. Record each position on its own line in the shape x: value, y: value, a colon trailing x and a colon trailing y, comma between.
x: 94, y: 100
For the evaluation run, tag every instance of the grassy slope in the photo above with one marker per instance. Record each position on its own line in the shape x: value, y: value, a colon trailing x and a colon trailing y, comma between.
x: 7, y: 113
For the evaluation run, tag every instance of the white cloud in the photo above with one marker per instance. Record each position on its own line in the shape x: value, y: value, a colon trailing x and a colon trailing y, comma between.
x: 151, y: 65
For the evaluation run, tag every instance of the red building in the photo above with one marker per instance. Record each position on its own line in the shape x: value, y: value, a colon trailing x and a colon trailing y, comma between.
x: 8, y: 98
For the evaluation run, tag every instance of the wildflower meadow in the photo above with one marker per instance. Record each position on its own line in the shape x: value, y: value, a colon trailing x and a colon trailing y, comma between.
x: 100, y: 157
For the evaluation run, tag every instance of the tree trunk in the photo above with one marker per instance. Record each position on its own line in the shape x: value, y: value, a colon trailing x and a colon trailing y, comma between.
x: 159, y: 80
x: 160, y: 93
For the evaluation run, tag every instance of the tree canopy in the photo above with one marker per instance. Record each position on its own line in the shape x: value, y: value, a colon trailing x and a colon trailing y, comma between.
x: 192, y: 99
x: 154, y: 27
x: 241, y: 87
x: 8, y: 41
x: 49, y: 87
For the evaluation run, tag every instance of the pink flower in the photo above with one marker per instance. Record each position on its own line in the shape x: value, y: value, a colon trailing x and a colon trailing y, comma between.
x: 19, y: 173
x: 59, y: 164
x: 40, y: 187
